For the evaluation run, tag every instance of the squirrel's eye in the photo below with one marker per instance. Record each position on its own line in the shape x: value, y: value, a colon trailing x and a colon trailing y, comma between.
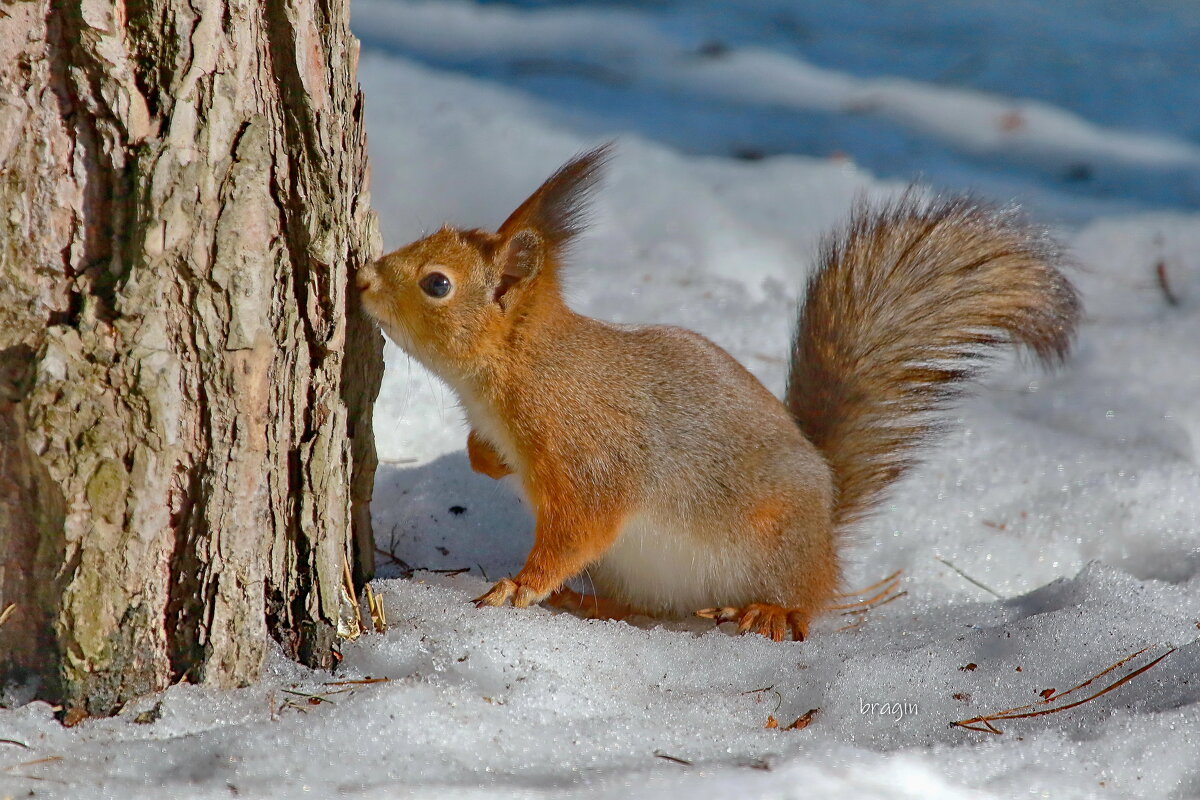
x: 435, y: 284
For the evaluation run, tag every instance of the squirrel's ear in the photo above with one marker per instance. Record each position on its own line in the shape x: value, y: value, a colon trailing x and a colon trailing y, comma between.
x: 557, y: 211
x: 520, y: 257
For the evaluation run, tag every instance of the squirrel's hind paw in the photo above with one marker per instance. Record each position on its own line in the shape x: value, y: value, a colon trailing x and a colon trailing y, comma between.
x: 590, y: 606
x: 774, y: 622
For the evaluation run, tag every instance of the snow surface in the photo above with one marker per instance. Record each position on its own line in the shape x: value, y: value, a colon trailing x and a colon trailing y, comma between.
x: 1075, y: 496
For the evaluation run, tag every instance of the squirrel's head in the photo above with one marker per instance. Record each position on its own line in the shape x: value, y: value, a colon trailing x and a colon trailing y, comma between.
x: 453, y: 297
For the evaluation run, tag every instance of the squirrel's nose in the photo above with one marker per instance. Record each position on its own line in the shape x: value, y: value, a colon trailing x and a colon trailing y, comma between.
x: 367, y: 278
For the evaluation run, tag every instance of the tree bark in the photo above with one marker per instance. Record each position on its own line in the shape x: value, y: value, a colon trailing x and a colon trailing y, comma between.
x: 186, y: 378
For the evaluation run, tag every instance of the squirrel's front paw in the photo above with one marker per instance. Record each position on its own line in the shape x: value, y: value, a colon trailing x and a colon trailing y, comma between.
x: 505, y: 590
x: 766, y: 619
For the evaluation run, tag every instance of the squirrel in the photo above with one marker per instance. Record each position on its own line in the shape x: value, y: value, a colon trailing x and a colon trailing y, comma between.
x: 656, y: 461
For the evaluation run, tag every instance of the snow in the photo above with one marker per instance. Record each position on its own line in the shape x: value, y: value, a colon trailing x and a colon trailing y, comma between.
x: 752, y: 75
x: 1074, y: 496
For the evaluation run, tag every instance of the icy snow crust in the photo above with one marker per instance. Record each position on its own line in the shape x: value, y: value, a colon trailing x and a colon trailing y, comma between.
x: 1075, y: 496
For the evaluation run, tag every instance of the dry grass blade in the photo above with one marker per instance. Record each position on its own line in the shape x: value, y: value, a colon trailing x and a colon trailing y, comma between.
x: 352, y: 596
x: 885, y: 591
x: 671, y: 758
x: 887, y: 586
x: 375, y: 606
x: 316, y: 698
x: 6, y: 613
x: 971, y: 723
x: 773, y: 690
x: 1164, y: 284
x: 359, y: 682
x: 874, y: 606
x: 893, y: 578
x: 969, y: 579
x: 1024, y: 712
x: 1083, y: 685
x: 293, y: 705
x: 395, y: 559
x: 865, y: 602
x: 48, y: 759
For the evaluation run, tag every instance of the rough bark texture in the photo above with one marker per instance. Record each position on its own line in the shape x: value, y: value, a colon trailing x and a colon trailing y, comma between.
x: 186, y: 456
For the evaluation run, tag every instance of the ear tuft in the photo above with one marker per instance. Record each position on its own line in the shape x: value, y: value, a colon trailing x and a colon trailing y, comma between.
x: 558, y: 210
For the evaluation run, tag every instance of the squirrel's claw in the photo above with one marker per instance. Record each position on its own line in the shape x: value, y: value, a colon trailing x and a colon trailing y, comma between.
x: 774, y: 622
x: 507, y: 590
x: 501, y: 592
x: 719, y: 615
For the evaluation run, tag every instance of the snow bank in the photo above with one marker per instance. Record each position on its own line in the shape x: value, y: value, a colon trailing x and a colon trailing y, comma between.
x: 693, y: 74
x: 464, y: 31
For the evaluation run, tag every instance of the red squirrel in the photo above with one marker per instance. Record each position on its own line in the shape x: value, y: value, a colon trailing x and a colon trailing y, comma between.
x: 656, y: 461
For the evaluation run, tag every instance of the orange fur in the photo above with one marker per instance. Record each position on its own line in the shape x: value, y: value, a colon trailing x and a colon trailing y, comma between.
x: 590, y: 606
x: 484, y: 458
x: 656, y: 461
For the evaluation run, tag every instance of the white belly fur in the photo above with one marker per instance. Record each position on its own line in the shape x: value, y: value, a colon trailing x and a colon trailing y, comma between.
x: 664, y: 568
x: 657, y: 564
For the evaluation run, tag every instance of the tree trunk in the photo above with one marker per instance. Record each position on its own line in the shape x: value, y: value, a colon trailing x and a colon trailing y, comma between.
x: 186, y: 379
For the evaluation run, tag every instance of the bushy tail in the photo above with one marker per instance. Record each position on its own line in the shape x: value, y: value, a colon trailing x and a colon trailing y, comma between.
x: 907, y: 304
